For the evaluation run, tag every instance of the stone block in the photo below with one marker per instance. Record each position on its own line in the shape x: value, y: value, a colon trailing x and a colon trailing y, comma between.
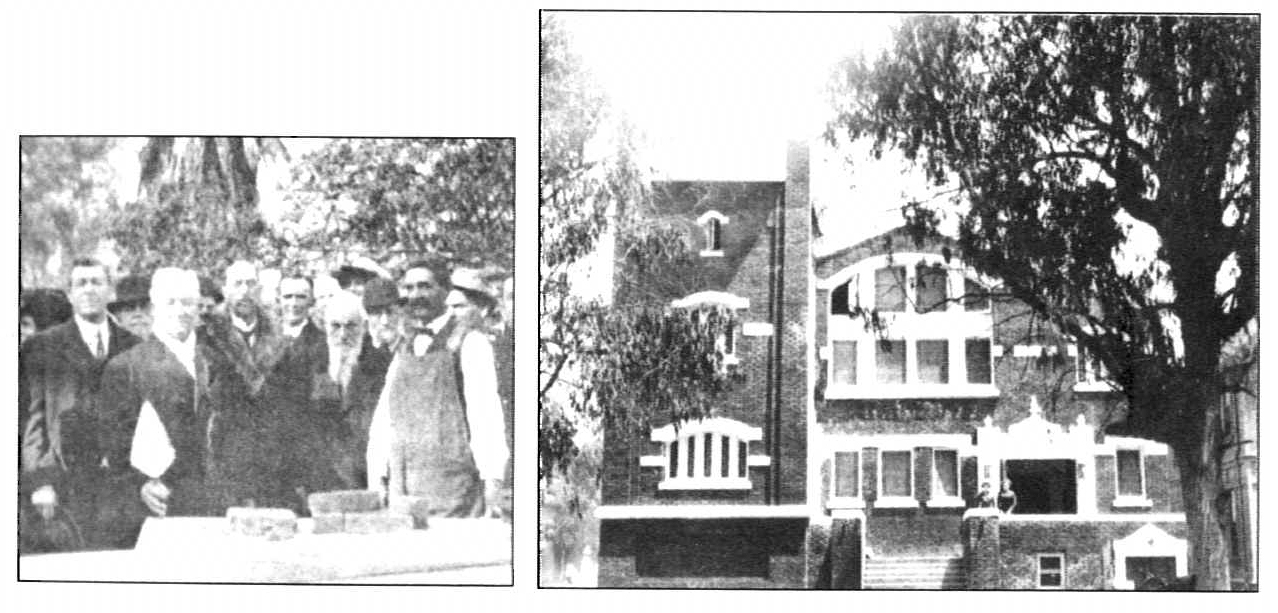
x: 328, y: 523
x: 414, y: 506
x: 273, y: 524
x: 344, y: 501
x: 377, y: 522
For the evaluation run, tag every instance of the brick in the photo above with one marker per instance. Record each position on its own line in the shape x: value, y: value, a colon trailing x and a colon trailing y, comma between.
x: 328, y: 523
x: 414, y: 506
x: 377, y: 522
x: 273, y: 524
x: 344, y: 501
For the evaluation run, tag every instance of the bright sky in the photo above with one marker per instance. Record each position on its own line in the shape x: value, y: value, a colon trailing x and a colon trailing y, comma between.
x: 718, y: 96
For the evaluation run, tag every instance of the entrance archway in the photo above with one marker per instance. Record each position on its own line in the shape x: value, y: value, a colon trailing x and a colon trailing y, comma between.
x: 1046, y: 487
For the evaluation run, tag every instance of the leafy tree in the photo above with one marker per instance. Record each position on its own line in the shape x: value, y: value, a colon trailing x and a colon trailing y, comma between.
x: 603, y: 366
x: 395, y: 198
x: 65, y: 186
x: 197, y: 203
x: 1059, y: 133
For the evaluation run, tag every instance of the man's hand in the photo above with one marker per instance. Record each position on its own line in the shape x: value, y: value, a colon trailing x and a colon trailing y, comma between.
x: 494, y: 497
x: 156, y: 497
x: 45, y: 501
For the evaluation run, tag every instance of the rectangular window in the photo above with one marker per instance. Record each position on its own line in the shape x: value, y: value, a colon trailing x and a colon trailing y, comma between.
x: 845, y: 298
x: 1051, y: 570
x: 692, y: 453
x: 945, y: 472
x: 674, y: 458
x: 713, y: 239
x: 843, y: 362
x: 934, y: 361
x: 729, y: 339
x: 1089, y: 369
x: 847, y: 474
x: 889, y: 289
x: 897, y: 467
x: 978, y: 360
x: 725, y: 449
x: 929, y: 289
x: 708, y: 451
x: 975, y: 298
x: 1131, y: 481
x: 889, y: 366
x: 742, y: 451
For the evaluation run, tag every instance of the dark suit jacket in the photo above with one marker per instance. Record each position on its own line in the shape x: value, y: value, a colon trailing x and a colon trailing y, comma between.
x: 151, y: 373
x: 57, y: 395
x: 350, y: 412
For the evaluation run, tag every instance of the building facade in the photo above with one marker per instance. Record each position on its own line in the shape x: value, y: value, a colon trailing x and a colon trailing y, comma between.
x: 873, y: 390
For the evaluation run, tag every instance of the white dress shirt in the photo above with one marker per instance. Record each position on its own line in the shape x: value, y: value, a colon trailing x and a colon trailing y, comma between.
x: 91, y: 332
x: 483, y: 411
x: 184, y: 351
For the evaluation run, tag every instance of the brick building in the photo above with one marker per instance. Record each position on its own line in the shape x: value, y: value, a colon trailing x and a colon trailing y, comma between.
x: 848, y: 456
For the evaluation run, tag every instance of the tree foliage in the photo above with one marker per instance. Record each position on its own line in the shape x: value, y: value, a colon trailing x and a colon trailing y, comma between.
x: 1061, y: 134
x: 396, y: 198
x: 604, y: 364
x: 65, y: 186
x: 197, y: 203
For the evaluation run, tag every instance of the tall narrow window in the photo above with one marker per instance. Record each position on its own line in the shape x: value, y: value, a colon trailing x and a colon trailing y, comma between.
x: 945, y: 472
x: 725, y: 450
x: 743, y: 449
x: 847, y: 474
x: 843, y: 362
x: 1131, y: 478
x: 897, y: 467
x: 674, y: 458
x: 889, y: 289
x: 692, y: 453
x: 714, y: 235
x: 934, y: 361
x: 889, y: 366
x: 975, y: 297
x: 978, y: 360
x: 930, y: 289
x: 708, y: 451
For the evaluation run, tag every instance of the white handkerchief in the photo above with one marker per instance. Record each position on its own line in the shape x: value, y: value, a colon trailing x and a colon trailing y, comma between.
x: 152, y: 453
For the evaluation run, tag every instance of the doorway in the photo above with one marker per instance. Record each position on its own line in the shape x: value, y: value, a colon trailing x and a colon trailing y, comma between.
x: 1046, y: 487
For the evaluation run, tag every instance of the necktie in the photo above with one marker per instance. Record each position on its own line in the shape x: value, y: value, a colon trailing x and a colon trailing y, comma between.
x: 101, y: 350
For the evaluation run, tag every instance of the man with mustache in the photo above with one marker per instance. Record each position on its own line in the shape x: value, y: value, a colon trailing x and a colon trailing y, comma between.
x: 426, y: 439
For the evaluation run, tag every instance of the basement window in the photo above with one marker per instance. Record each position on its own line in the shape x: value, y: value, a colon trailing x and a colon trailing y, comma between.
x: 1051, y: 571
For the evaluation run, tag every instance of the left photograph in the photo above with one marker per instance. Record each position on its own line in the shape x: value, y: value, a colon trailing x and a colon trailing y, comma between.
x: 266, y: 360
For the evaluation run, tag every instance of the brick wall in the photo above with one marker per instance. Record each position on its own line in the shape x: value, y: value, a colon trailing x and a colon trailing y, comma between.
x: 760, y: 553
x: 1162, y: 485
x: 1088, y: 565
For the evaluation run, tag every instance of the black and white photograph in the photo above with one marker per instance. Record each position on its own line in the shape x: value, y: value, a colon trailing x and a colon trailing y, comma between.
x: 899, y: 302
x: 261, y: 359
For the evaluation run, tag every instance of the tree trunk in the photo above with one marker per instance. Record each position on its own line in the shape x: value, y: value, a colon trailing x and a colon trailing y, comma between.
x: 1198, y: 458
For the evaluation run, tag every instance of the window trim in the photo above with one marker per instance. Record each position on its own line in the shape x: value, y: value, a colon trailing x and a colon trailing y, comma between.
x: 894, y: 501
x: 937, y: 497
x: 834, y: 501
x: 1085, y: 379
x: 1131, y: 501
x: 718, y: 427
x: 1039, y: 573
x: 716, y: 220
x: 953, y: 324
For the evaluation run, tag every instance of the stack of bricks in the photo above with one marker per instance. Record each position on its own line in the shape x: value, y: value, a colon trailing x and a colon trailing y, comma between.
x: 361, y: 512
x: 271, y: 524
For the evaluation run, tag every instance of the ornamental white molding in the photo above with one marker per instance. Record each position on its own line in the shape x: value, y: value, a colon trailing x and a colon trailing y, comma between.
x: 711, y: 298
x: 708, y: 215
x: 1149, y: 541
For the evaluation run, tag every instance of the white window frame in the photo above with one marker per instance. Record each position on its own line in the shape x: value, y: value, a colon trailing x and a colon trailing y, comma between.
x: 1038, y: 568
x: 953, y: 323
x: 718, y: 427
x: 1086, y: 379
x: 705, y: 222
x: 847, y: 502
x: 938, y: 497
x: 721, y: 343
x: 1130, y: 501
x: 896, y: 502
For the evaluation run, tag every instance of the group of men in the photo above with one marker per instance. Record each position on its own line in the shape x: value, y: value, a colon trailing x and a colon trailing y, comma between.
x: 390, y: 388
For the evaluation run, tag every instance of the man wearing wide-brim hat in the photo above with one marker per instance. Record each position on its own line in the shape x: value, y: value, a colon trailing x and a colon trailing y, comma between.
x: 355, y: 275
x: 132, y: 304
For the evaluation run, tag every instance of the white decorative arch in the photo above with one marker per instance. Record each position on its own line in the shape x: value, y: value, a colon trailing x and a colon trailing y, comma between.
x: 727, y: 465
x: 708, y: 215
x: 1149, y: 541
x: 711, y: 298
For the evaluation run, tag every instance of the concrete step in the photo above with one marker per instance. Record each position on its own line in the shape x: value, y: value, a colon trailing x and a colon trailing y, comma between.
x: 914, y: 573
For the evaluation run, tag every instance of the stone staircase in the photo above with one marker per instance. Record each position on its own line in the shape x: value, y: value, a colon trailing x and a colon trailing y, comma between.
x: 923, y: 572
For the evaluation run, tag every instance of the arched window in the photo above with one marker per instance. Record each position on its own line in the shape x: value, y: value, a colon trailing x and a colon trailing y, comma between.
x: 709, y: 454
x: 712, y: 222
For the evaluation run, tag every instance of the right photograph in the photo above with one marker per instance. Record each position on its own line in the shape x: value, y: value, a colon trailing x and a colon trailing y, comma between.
x: 899, y: 301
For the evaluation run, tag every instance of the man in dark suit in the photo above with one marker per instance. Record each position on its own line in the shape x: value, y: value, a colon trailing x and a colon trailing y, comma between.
x: 62, y: 472
x: 302, y: 433
x: 158, y: 426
